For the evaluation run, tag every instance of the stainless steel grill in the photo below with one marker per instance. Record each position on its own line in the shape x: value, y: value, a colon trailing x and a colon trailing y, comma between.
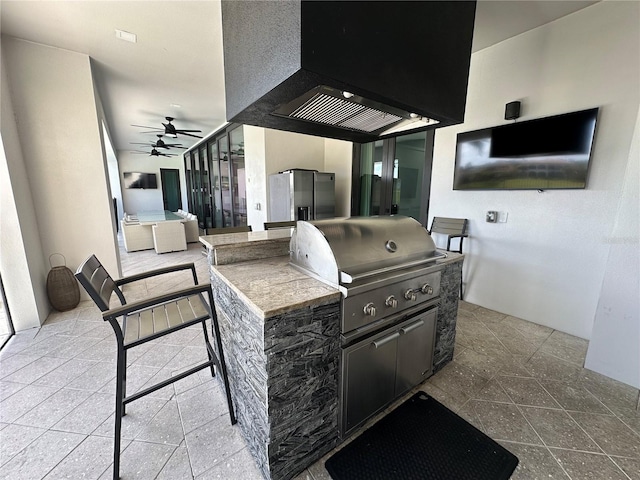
x: 370, y: 259
x: 386, y: 269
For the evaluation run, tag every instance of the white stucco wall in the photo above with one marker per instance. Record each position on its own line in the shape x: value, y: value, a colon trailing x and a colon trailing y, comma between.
x: 286, y: 150
x: 138, y: 200
x: 614, y: 349
x: 21, y: 262
x: 547, y: 263
x: 60, y: 136
x: 337, y: 159
x: 255, y: 164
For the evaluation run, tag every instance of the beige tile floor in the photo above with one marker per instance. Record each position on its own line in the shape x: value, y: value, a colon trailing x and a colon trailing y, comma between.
x: 521, y: 383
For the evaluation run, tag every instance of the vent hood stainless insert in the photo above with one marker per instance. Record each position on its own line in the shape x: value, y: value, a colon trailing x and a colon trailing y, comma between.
x: 327, y: 105
x: 355, y: 71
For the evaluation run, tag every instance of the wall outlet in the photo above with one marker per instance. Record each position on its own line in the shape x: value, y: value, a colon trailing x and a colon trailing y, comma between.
x: 502, y: 217
x: 258, y: 206
x: 492, y: 216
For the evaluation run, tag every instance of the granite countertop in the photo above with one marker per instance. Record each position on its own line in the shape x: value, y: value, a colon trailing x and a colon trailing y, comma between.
x: 451, y: 257
x: 249, y: 238
x: 270, y: 286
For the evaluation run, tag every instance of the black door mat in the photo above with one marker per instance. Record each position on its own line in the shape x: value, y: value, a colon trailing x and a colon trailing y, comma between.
x: 422, y: 439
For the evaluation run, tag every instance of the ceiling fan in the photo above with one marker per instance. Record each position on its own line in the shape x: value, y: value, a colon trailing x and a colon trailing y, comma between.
x: 159, y: 143
x: 170, y: 129
x: 154, y: 153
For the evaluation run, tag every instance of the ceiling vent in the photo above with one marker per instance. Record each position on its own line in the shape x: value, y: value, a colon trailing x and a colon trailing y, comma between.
x: 356, y: 71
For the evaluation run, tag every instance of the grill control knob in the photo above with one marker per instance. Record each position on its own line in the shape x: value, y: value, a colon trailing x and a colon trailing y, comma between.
x: 391, y: 302
x: 369, y: 309
x: 427, y: 289
x: 410, y: 295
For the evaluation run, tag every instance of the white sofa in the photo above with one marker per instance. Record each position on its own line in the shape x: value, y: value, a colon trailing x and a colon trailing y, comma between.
x: 191, y: 230
x: 169, y: 237
x: 136, y: 237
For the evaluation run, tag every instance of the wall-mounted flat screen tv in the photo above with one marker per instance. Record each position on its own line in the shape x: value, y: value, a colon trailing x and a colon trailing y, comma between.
x: 140, y: 180
x: 542, y: 154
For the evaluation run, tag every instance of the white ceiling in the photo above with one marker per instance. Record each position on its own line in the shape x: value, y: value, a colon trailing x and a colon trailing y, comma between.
x: 177, y: 59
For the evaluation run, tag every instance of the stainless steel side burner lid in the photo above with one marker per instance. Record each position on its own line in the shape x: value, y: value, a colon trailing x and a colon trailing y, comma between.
x: 353, y: 250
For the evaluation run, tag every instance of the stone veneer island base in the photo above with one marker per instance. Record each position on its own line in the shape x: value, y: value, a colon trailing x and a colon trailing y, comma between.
x: 281, y: 333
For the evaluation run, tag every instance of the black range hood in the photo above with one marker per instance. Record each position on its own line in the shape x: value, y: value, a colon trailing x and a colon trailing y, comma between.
x: 355, y: 71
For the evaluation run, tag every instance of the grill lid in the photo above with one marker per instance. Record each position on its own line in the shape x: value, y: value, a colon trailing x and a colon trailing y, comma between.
x: 342, y: 251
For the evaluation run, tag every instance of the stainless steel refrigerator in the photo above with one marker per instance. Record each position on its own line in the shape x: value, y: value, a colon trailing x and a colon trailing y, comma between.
x: 301, y: 195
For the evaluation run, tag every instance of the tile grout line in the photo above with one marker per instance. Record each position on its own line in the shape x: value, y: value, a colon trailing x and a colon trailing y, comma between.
x: 62, y: 459
x: 44, y: 430
x: 619, y: 468
x: 500, y: 341
x: 585, y: 432
x: 613, y: 413
x: 535, y: 431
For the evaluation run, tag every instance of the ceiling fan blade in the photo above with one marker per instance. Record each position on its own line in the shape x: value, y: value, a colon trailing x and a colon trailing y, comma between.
x: 145, y: 126
x: 179, y: 130
x: 189, y: 134
x: 145, y: 143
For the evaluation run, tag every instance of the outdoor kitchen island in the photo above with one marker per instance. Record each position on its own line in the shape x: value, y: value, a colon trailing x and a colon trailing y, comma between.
x: 281, y: 333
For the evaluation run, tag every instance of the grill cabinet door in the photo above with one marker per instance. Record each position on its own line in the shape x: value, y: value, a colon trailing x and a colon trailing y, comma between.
x: 415, y: 350
x: 369, y: 376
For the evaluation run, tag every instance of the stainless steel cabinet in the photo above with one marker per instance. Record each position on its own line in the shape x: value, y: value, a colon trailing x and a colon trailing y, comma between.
x: 415, y: 351
x: 380, y: 368
x: 370, y: 377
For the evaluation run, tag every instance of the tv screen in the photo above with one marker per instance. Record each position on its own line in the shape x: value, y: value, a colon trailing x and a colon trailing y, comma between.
x: 140, y: 180
x: 542, y: 154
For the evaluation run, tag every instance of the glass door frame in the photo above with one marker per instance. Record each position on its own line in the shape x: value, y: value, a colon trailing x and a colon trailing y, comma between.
x: 386, y: 192
x: 215, y: 187
x: 212, y: 163
x: 9, y: 320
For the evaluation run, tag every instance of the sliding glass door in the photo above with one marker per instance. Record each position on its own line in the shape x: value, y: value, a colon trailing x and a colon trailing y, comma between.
x: 214, y: 187
x: 371, y: 192
x: 393, y: 176
x: 216, y: 179
x: 239, y: 190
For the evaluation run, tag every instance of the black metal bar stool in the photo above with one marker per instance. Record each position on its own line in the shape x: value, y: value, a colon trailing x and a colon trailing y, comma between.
x: 452, y: 228
x: 145, y: 320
